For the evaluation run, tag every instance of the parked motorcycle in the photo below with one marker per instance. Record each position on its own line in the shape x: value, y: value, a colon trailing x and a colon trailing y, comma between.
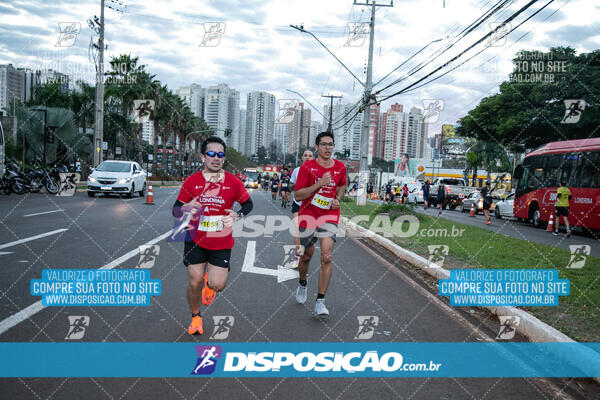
x: 13, y: 180
x: 31, y: 181
x: 5, y: 184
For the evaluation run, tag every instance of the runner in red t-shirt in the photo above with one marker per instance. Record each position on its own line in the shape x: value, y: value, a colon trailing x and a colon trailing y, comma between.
x: 209, y: 196
x: 320, y: 186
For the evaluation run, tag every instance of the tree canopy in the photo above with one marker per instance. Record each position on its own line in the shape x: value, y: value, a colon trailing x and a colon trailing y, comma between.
x: 529, y: 108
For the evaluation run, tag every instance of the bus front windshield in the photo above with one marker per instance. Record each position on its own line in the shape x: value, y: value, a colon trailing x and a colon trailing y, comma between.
x: 253, y: 175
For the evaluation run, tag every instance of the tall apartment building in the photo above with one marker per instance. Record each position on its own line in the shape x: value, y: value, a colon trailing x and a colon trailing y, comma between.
x: 243, y: 137
x: 222, y: 112
x: 347, y: 125
x: 305, y: 128
x: 29, y: 83
x: 374, y: 133
x: 148, y: 132
x: 404, y: 133
x: 417, y: 133
x: 193, y: 96
x: 315, y: 128
x: 298, y: 129
x: 234, y: 120
x: 47, y: 76
x: 393, y: 130
x: 260, y: 121
x: 20, y: 83
x: 282, y: 138
x: 12, y: 85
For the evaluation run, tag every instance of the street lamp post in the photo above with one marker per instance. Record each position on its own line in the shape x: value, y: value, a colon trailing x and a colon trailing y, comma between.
x: 45, y: 111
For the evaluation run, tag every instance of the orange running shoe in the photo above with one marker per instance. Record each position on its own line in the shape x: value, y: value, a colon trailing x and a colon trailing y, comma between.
x: 208, y: 294
x: 196, y: 326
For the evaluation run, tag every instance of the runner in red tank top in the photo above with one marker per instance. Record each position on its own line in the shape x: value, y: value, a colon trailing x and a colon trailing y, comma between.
x: 320, y: 185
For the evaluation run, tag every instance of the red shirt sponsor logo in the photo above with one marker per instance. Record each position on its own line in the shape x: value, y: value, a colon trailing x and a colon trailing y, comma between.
x: 215, y: 197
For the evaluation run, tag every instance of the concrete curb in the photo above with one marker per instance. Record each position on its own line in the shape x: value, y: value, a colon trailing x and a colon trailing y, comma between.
x: 529, y: 326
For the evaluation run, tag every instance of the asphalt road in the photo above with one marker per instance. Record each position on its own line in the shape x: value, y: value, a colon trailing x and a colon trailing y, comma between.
x: 89, y: 233
x: 519, y: 230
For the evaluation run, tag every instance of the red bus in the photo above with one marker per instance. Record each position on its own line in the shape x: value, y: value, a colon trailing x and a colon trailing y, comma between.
x: 575, y: 161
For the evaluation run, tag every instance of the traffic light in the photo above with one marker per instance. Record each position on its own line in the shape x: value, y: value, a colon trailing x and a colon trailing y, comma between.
x: 227, y: 132
x: 346, y: 153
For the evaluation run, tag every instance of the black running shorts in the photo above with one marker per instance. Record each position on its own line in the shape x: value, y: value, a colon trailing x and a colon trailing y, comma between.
x: 194, y: 254
x: 295, y: 207
x: 308, y: 237
x: 564, y: 211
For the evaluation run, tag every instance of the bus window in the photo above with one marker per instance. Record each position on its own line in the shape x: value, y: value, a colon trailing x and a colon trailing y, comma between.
x: 553, y: 163
x: 588, y: 170
x: 523, y: 182
x: 567, y: 171
x: 594, y: 164
x: 535, y: 178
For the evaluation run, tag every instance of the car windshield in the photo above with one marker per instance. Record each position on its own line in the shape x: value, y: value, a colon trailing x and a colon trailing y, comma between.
x: 451, y: 182
x: 114, y: 167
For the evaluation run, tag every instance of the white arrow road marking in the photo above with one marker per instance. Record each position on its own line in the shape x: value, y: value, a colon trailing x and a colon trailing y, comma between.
x: 282, y: 274
x: 285, y: 274
x: 29, y: 239
x: 36, y: 307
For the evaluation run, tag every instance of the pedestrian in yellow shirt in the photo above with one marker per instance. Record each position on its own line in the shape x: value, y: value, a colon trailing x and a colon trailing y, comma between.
x: 563, y: 195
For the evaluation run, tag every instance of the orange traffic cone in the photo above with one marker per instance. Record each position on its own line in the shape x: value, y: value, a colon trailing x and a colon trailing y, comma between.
x: 550, y: 226
x: 149, y: 196
x: 472, y: 212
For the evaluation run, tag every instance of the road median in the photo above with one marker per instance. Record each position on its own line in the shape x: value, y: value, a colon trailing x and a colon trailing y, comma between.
x: 577, y: 316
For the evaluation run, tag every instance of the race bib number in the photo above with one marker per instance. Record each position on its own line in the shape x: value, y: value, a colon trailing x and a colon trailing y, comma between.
x: 322, y: 202
x: 284, y: 185
x: 211, y: 223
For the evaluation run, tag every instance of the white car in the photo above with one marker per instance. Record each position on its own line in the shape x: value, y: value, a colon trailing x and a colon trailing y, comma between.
x: 504, y: 207
x: 117, y: 177
x: 415, y: 193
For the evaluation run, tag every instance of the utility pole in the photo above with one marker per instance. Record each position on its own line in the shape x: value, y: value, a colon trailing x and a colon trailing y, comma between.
x: 99, y: 125
x: 331, y: 97
x: 361, y: 199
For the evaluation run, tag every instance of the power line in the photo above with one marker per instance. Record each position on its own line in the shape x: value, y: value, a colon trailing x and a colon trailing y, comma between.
x: 513, y: 16
x: 482, y: 50
x: 480, y: 20
x: 448, y: 34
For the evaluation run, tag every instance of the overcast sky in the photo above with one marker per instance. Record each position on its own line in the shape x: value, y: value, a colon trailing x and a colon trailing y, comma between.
x: 259, y: 51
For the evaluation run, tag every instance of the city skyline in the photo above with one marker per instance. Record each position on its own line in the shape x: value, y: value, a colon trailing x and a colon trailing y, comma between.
x: 258, y: 51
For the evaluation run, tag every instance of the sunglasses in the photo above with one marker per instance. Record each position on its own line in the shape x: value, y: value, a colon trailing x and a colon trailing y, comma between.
x: 213, y: 153
x: 326, y: 144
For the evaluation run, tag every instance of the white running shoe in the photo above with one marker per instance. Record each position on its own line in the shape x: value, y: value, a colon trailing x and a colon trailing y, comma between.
x: 301, y: 294
x: 320, y: 308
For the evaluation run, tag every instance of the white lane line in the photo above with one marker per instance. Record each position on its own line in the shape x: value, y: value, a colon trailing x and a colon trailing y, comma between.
x: 133, y: 198
x: 29, y: 239
x: 36, y: 307
x: 5, y: 252
x: 45, y: 212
